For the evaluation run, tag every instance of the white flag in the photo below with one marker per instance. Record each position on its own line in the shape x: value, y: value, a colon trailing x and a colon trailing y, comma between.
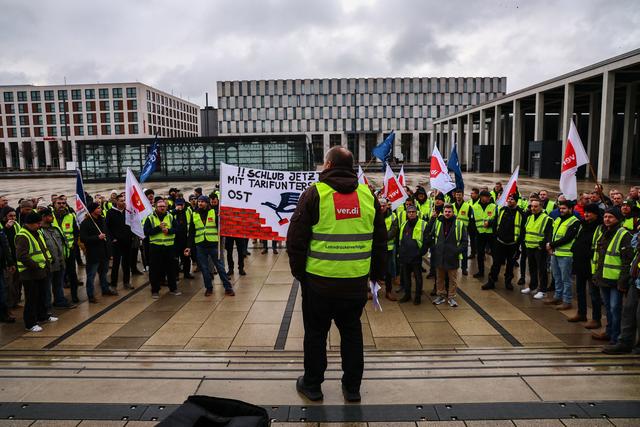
x: 574, y: 157
x: 137, y: 205
x: 362, y: 179
x: 393, y: 191
x: 374, y: 287
x: 439, y: 178
x: 80, y: 210
x: 511, y: 188
x: 401, y: 179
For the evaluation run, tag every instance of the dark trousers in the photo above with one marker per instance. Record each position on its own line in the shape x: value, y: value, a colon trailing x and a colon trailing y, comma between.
x: 121, y: 254
x: 317, y: 313
x: 502, y: 254
x: 133, y: 259
x: 206, y: 253
x: 523, y: 261
x: 274, y: 245
x: 472, y: 241
x: 162, y: 265
x: 146, y: 256
x: 35, y: 301
x: 407, y: 270
x: 538, y: 262
x: 630, y: 318
x: 483, y: 240
x: 72, y: 276
x: 583, y: 280
x: 240, y: 249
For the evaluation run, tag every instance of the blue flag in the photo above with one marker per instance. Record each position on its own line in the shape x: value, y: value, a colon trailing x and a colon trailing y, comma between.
x: 153, y: 158
x: 383, y: 151
x: 80, y: 187
x: 453, y: 165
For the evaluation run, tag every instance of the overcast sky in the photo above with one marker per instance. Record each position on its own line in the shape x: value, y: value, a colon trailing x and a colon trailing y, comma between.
x: 186, y: 46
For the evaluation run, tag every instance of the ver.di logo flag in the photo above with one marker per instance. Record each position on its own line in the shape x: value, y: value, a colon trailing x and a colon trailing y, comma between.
x: 79, y: 208
x: 137, y: 205
x: 393, y: 191
x: 574, y: 157
x: 362, y: 179
x: 152, y: 161
x: 401, y: 176
x: 439, y: 178
x: 511, y: 188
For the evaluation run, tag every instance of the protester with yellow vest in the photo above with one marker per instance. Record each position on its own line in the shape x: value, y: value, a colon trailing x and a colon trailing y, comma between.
x: 412, y: 246
x: 548, y: 205
x: 565, y: 230
x: 33, y: 260
x: 160, y: 227
x: 509, y: 231
x: 464, y: 212
x: 337, y: 242
x: 474, y: 197
x: 538, y: 230
x: 611, y: 267
x: 448, y: 239
x: 66, y: 222
x: 496, y: 192
x: 630, y: 216
x: 57, y: 245
x: 391, y: 223
x: 423, y: 204
x: 203, y: 235
x: 484, y: 213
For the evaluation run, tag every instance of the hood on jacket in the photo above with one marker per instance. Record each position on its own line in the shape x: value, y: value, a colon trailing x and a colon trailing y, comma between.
x: 340, y: 179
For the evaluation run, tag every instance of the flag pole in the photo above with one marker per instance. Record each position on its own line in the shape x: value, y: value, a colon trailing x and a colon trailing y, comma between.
x: 367, y: 164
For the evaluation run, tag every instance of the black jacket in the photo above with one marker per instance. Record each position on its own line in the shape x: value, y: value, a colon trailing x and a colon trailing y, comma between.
x: 582, y: 251
x: 445, y: 248
x: 119, y: 232
x: 409, y: 252
x: 6, y: 255
x: 505, y: 225
x: 97, y: 250
x: 299, y: 236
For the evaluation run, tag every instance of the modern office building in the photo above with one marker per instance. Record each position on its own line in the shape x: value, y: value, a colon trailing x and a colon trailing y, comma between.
x: 357, y: 112
x: 41, y: 126
x: 209, y: 121
x: 529, y: 127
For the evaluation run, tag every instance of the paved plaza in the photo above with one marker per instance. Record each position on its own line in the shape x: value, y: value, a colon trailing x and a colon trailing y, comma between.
x: 120, y: 360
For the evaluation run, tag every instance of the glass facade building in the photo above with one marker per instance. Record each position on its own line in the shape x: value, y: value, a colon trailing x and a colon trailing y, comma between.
x: 193, y: 158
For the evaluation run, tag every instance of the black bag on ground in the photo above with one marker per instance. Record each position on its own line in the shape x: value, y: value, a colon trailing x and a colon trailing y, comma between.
x: 207, y: 411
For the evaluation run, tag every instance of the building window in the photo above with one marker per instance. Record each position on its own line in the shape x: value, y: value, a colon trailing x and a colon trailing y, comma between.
x: 91, y: 118
x: 118, y: 117
x: 132, y: 104
x: 35, y: 95
x: 92, y: 130
x: 106, y: 130
x: 63, y: 131
x: 11, y: 132
x: 117, y: 105
x: 50, y: 107
x: 37, y: 132
x: 133, y: 129
x: 77, y: 106
x: 117, y: 92
x: 36, y: 108
x: 51, y: 119
x: 91, y: 105
x: 37, y: 120
x: 24, y: 120
x: 25, y: 133
x: 62, y: 95
x: 52, y: 131
x: 76, y: 94
x: 22, y: 96
x: 63, y: 119
x: 105, y: 118
x: 78, y: 131
x: 119, y: 129
x: 103, y: 93
x: 11, y: 121
x: 104, y: 105
x: 77, y: 118
x: 90, y: 93
x: 23, y: 109
x: 131, y: 92
x: 133, y: 117
x: 8, y: 97
x: 48, y: 95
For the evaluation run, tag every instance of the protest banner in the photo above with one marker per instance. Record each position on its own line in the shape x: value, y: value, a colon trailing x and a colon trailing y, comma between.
x: 257, y: 203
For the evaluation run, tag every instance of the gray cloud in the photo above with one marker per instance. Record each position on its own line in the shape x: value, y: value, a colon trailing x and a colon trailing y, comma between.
x: 185, y: 48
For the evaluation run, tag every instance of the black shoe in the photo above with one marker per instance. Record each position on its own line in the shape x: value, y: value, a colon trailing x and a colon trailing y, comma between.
x: 351, y: 396
x: 230, y: 272
x: 478, y: 275
x: 75, y: 300
x: 521, y: 281
x: 487, y: 286
x: 264, y: 251
x: 242, y: 272
x: 422, y: 269
x: 189, y: 276
x: 275, y: 252
x: 417, y: 300
x: 465, y: 272
x: 405, y: 298
x: 92, y: 300
x: 616, y: 349
x: 433, y: 292
x: 509, y: 286
x: 313, y: 395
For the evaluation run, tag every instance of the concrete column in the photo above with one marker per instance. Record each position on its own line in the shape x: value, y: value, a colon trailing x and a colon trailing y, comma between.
x: 325, y: 144
x: 343, y: 140
x: 497, y: 137
x: 7, y: 153
x: 61, y: 158
x: 567, y: 112
x: 594, y: 113
x: 415, y: 147
x: 627, y: 136
x: 516, y: 134
x: 449, y: 145
x: 22, y: 161
x: 483, y: 118
x: 538, y: 130
x: 47, y: 153
x: 468, y: 146
x: 606, y: 126
x: 459, y: 139
x: 34, y: 155
x: 74, y: 152
x: 363, y: 156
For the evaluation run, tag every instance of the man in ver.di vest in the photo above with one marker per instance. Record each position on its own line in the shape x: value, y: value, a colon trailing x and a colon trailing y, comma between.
x: 160, y: 227
x: 509, y: 230
x: 611, y: 267
x: 448, y: 239
x: 203, y: 235
x: 57, y: 245
x: 412, y: 246
x: 538, y: 229
x: 565, y: 230
x: 65, y: 220
x: 337, y: 242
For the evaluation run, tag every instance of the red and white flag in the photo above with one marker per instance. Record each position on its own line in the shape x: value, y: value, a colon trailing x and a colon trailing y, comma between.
x: 137, y: 205
x: 511, y: 188
x: 574, y: 157
x: 80, y: 209
x: 401, y: 176
x: 362, y: 179
x: 439, y: 177
x: 393, y: 191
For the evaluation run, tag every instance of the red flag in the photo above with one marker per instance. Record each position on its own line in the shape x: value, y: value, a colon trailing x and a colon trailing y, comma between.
x: 574, y: 157
x: 511, y: 188
x: 393, y: 191
x: 137, y: 206
x: 401, y: 176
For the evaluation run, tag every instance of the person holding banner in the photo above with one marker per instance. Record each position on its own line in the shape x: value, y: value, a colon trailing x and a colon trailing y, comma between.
x: 203, y: 235
x: 337, y: 242
x: 160, y: 227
